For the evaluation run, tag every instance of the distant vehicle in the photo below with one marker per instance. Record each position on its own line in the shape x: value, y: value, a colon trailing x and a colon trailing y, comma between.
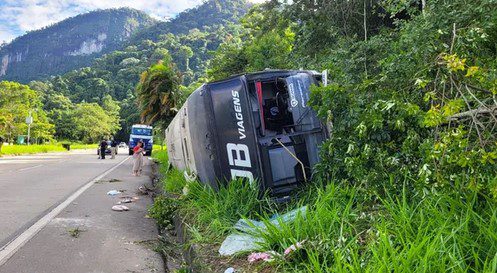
x: 256, y: 126
x: 143, y: 133
x: 107, y: 150
x: 122, y: 145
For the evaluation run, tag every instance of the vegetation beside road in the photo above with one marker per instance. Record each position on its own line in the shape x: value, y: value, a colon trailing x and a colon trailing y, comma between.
x: 31, y: 149
x: 342, y: 231
x: 43, y: 148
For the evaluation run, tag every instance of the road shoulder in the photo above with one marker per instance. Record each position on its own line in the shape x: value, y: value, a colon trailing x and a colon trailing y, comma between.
x: 87, y: 236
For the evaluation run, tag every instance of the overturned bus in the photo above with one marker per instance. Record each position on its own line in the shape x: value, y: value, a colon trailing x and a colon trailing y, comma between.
x: 256, y: 126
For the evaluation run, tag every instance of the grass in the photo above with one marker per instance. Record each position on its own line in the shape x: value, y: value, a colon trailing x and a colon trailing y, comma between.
x: 31, y: 149
x: 213, y: 213
x: 74, y: 232
x: 437, y: 233
x: 157, y: 147
x: 43, y: 148
x: 80, y: 146
x: 344, y: 232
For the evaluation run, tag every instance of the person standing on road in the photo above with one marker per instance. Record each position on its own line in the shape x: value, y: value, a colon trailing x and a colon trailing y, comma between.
x: 103, y: 146
x: 138, y: 157
x: 113, y: 148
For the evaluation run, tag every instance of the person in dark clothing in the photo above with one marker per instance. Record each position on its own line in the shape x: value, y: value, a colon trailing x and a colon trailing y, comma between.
x: 103, y: 147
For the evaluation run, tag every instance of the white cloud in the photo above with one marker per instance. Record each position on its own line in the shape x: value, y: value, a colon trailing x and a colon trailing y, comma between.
x: 5, y: 34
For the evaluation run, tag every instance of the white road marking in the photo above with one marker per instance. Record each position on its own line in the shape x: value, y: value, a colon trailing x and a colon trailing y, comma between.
x: 12, y: 247
x: 29, y: 168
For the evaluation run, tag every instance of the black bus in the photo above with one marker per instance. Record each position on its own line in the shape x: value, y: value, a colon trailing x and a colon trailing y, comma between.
x: 257, y: 126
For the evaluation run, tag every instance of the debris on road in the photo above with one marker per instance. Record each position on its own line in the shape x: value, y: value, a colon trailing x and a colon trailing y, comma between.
x: 248, y: 239
x: 260, y: 256
x: 113, y: 192
x: 112, y: 180
x: 125, y: 200
x: 128, y: 199
x: 294, y: 247
x: 120, y: 208
x: 144, y: 190
x: 236, y: 243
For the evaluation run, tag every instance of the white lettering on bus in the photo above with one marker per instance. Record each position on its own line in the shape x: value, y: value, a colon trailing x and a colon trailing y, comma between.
x: 238, y: 114
x: 239, y: 156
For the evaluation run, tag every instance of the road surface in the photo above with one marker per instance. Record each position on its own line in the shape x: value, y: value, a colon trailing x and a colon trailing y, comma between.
x: 32, y: 187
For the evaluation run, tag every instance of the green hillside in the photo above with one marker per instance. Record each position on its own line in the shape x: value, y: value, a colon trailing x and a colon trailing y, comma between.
x: 69, y: 44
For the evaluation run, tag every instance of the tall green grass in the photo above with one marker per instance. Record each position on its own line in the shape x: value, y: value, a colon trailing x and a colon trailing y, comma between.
x: 213, y: 213
x: 31, y: 149
x: 209, y: 213
x: 172, y: 179
x: 431, y: 234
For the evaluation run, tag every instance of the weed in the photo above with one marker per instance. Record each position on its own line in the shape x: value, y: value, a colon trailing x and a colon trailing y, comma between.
x: 74, y: 232
x: 163, y: 211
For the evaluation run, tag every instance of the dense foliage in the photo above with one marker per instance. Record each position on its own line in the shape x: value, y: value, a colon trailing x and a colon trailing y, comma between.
x: 411, y: 93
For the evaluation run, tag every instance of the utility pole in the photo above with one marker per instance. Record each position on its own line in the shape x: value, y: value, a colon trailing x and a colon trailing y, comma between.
x: 29, y: 120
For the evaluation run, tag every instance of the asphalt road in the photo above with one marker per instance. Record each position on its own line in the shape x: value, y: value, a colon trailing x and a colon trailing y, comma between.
x: 67, y: 193
x: 32, y: 185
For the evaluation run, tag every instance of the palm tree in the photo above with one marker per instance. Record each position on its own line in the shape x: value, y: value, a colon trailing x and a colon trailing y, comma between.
x: 158, y: 93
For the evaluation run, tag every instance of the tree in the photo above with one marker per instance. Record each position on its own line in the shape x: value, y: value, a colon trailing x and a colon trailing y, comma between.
x: 271, y: 50
x: 186, y: 53
x: 158, y: 93
x: 92, y: 123
x: 16, y: 102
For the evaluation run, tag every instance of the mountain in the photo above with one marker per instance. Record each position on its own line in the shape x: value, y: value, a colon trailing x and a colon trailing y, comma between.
x: 205, y: 16
x: 72, y: 43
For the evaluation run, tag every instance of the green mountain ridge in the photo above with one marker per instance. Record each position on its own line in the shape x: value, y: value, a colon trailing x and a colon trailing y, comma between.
x: 69, y: 44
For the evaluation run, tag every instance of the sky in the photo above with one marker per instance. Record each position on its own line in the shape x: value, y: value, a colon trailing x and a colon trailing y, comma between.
x: 19, y: 16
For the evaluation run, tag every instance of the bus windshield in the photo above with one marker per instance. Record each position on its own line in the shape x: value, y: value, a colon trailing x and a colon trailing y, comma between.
x: 141, y: 131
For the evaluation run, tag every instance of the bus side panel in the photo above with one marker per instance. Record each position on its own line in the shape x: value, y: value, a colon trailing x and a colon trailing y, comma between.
x: 174, y: 139
x: 202, y: 137
x: 235, y: 133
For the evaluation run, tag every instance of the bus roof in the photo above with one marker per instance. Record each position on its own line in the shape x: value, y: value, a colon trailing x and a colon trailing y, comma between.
x: 141, y: 126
